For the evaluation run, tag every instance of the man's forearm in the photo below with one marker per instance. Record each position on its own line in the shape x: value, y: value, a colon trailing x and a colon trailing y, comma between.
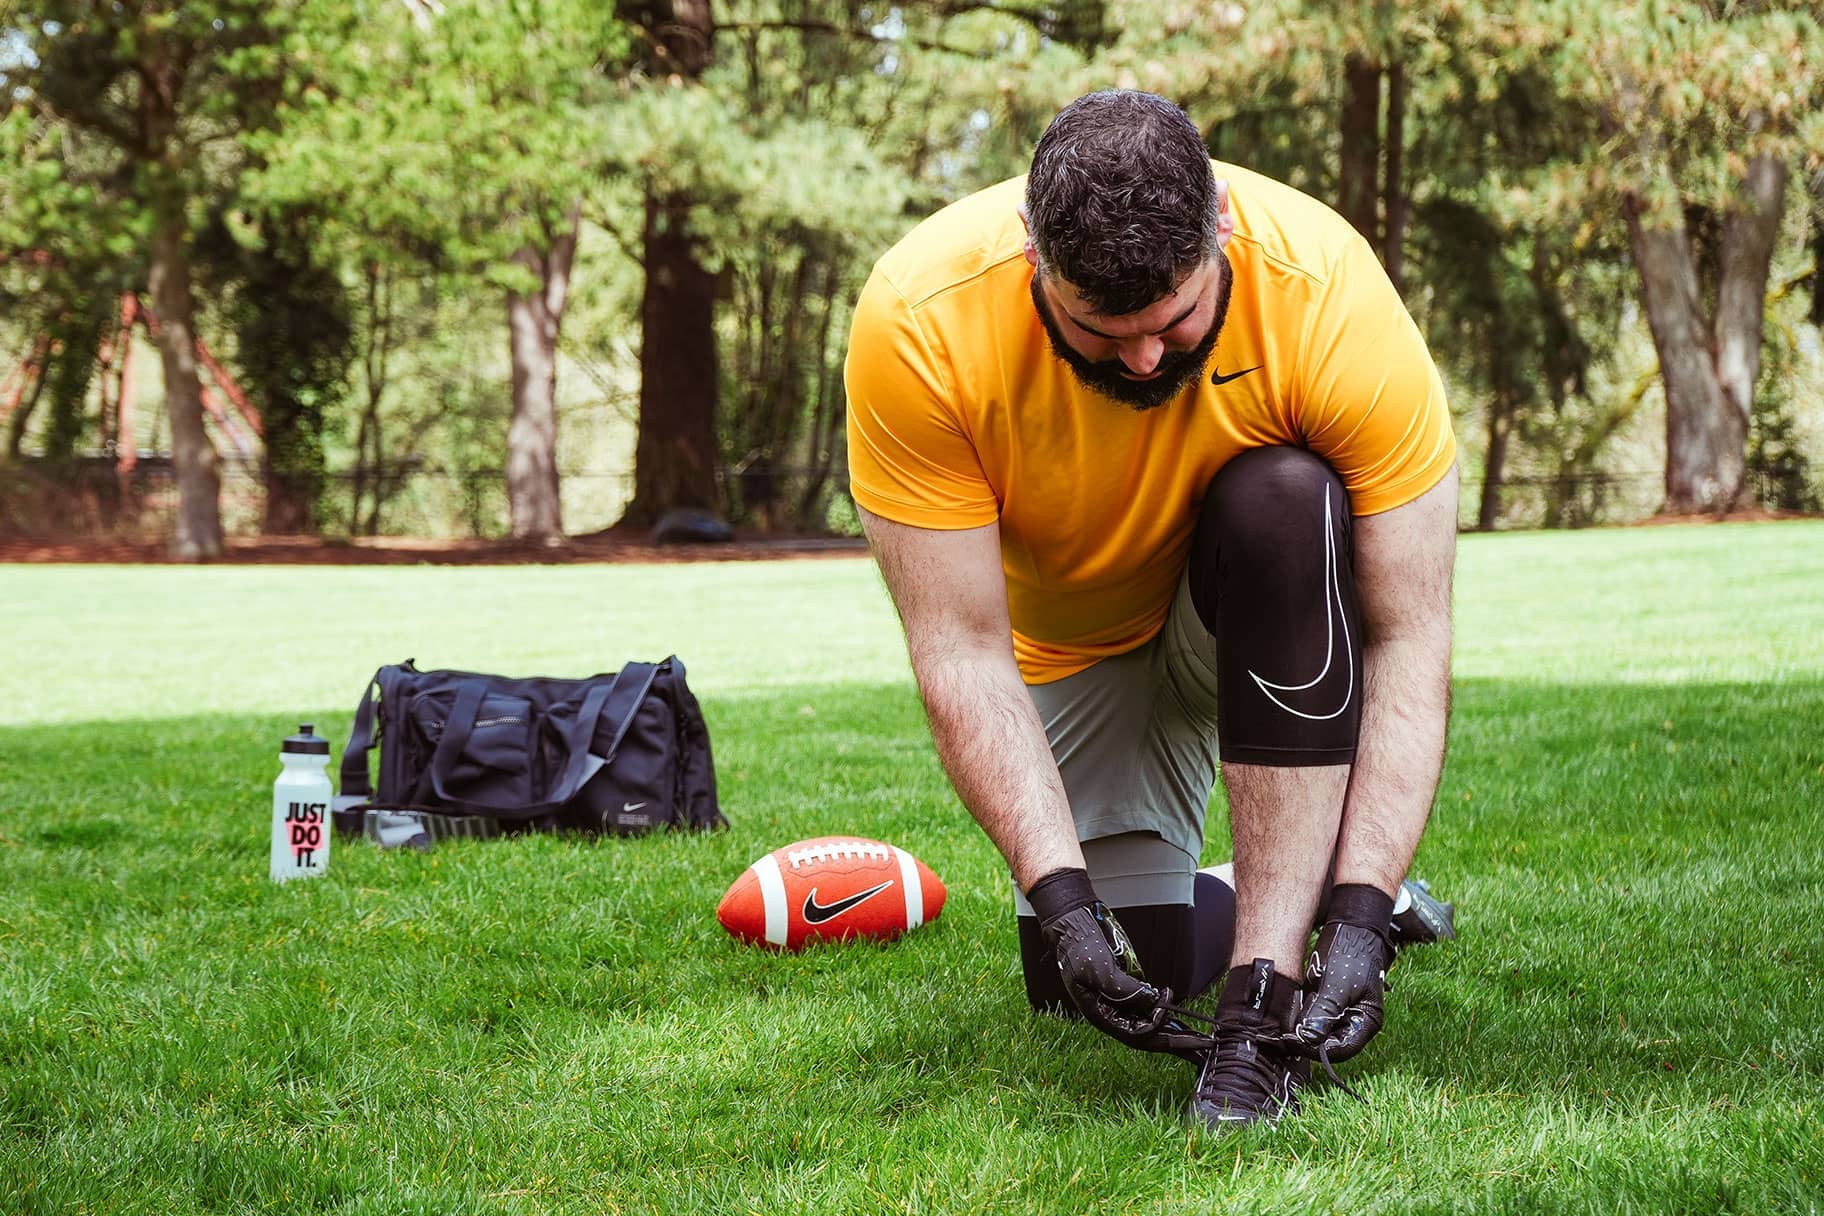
x: 993, y: 747
x: 1398, y: 758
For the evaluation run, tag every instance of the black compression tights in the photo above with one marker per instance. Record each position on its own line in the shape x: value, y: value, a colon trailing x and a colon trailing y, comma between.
x: 1272, y: 577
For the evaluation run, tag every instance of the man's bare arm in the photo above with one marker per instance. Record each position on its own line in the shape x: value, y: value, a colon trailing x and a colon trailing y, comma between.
x: 1403, y: 563
x: 952, y: 599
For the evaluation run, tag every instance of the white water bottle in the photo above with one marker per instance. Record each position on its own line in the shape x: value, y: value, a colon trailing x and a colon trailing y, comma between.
x: 300, y: 807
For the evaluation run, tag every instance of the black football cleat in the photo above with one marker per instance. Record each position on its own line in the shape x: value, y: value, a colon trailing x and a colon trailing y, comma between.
x: 1425, y: 919
x: 1248, y: 1077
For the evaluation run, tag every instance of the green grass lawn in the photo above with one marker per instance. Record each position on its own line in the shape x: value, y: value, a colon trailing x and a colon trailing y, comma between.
x: 1630, y: 822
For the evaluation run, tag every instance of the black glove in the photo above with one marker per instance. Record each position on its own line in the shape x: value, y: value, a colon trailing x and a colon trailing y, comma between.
x: 1097, y: 963
x: 1347, y: 974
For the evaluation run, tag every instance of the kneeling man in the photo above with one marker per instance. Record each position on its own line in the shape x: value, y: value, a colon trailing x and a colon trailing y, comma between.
x: 1159, y: 474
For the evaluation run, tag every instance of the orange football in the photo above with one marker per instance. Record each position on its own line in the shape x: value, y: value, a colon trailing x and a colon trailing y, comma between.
x: 828, y: 889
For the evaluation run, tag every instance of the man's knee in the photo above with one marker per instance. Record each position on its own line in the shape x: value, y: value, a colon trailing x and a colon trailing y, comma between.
x: 1261, y: 501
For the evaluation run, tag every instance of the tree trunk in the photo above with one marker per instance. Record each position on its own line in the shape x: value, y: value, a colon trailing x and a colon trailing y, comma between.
x: 1816, y: 315
x: 291, y: 499
x: 1500, y: 426
x: 35, y: 376
x: 1393, y: 193
x: 68, y: 376
x: 295, y: 347
x: 126, y: 428
x: 1708, y: 367
x: 199, y: 484
x: 374, y: 355
x: 820, y: 446
x: 1359, y: 165
x: 12, y: 389
x: 198, y: 535
x: 675, y: 461
x: 533, y: 321
x: 1749, y: 237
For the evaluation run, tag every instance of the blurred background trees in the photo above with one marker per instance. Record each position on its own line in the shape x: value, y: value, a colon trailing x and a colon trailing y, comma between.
x: 537, y: 267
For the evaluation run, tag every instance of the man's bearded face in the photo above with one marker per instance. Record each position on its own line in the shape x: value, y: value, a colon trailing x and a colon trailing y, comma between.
x: 1112, y: 377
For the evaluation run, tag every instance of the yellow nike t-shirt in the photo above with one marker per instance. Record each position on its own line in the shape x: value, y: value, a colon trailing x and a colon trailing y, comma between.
x: 961, y: 415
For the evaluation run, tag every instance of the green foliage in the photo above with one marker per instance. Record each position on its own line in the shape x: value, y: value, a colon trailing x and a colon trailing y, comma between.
x: 69, y: 230
x: 68, y: 246
x: 58, y: 197
x: 418, y: 449
x: 433, y: 140
x: 78, y: 334
x: 762, y: 155
x: 122, y: 119
x: 1518, y: 304
x: 1525, y: 126
x: 156, y: 83
x: 1687, y: 93
x: 292, y: 321
x: 450, y: 143
x: 437, y: 143
x: 1781, y: 474
x: 816, y: 137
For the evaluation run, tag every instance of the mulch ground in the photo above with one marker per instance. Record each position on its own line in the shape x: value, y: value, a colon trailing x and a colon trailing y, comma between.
x: 614, y: 545
x: 407, y: 551
x: 1747, y: 515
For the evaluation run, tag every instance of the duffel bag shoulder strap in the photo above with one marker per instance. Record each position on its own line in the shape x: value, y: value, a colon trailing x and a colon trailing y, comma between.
x: 356, y: 781
x: 637, y: 679
x: 355, y: 790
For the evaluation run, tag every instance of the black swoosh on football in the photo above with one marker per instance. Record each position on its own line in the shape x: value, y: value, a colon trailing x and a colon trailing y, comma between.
x: 816, y: 913
x: 1216, y: 377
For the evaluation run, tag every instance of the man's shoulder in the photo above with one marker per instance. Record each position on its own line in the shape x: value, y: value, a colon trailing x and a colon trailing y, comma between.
x: 1287, y: 229
x: 958, y: 245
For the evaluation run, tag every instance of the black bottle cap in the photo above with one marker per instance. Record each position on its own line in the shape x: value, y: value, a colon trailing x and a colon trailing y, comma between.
x: 306, y: 742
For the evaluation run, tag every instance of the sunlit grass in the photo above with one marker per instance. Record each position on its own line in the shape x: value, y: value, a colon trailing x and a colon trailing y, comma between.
x: 1629, y: 822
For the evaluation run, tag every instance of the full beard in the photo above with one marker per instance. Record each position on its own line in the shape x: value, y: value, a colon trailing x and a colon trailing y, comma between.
x: 1108, y: 377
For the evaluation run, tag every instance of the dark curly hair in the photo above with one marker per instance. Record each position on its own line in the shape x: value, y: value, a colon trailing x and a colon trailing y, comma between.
x: 1120, y: 200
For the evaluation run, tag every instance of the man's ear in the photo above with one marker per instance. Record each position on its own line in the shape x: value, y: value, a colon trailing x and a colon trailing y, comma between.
x: 1031, y: 250
x: 1225, y: 218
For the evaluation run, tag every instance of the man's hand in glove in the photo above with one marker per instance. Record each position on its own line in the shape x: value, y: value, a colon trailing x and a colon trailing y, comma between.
x: 1347, y: 974
x: 1097, y: 963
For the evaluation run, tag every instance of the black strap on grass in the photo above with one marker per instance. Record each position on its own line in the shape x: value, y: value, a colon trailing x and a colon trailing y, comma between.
x: 356, y: 781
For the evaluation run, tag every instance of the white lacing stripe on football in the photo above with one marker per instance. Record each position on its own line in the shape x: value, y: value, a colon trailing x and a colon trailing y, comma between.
x: 914, y: 889
x: 772, y: 895
x: 836, y: 849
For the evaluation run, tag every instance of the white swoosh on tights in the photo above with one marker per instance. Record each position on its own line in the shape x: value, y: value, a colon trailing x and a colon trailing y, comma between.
x: 1333, y: 617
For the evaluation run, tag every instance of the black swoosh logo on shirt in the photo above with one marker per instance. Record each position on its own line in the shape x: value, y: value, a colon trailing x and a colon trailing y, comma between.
x: 1218, y: 378
x: 816, y: 913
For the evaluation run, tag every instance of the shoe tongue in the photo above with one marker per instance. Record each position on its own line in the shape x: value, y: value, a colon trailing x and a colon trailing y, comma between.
x: 1253, y: 987
x: 1260, y: 983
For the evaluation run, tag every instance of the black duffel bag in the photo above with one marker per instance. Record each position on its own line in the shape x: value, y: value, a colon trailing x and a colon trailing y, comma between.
x: 468, y: 754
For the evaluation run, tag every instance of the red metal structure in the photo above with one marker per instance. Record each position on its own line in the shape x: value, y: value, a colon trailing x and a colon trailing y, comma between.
x: 243, y: 428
